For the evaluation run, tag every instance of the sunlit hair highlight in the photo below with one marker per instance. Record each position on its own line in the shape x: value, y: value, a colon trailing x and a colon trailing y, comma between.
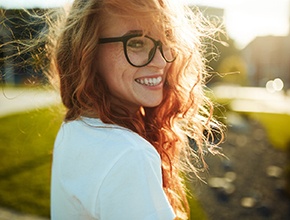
x: 185, y: 112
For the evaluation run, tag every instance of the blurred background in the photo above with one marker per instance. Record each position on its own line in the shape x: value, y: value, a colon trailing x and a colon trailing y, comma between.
x: 249, y: 81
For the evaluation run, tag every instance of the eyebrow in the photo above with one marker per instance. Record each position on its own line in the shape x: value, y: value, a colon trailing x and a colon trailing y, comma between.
x: 133, y: 32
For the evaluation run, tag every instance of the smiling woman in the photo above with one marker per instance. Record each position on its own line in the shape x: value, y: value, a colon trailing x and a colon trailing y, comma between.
x: 131, y: 75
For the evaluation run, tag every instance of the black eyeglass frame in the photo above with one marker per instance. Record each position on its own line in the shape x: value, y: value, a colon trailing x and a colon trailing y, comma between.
x: 126, y: 38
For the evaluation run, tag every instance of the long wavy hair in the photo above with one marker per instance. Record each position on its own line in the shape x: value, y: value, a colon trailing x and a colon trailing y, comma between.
x: 185, y: 112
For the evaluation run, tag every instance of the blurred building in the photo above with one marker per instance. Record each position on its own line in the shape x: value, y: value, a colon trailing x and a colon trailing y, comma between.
x: 268, y: 58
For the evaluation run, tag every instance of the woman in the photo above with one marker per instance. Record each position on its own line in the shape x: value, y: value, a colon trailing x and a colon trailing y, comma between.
x: 131, y: 76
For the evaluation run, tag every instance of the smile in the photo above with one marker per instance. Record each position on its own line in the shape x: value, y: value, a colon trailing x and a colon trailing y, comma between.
x: 149, y: 81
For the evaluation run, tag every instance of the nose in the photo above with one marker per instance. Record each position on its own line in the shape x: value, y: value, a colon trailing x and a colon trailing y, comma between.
x: 158, y: 60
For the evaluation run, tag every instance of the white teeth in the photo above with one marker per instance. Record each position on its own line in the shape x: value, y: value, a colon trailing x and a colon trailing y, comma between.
x: 150, y: 81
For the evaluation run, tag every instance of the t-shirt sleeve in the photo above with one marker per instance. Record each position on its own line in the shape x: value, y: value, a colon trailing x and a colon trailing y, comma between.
x: 133, y: 189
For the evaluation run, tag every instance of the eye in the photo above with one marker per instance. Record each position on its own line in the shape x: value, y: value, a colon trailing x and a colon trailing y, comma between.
x: 137, y: 43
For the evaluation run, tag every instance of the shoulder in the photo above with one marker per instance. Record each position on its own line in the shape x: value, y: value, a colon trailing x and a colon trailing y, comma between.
x: 110, y: 164
x: 93, y: 143
x: 90, y: 132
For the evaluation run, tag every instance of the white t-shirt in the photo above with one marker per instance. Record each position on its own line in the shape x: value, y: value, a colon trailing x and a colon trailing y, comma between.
x: 106, y: 172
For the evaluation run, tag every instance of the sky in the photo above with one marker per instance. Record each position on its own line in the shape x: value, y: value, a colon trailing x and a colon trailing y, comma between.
x: 32, y: 3
x: 244, y: 19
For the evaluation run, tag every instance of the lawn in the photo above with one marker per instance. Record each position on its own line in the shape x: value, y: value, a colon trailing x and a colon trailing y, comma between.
x: 277, y: 127
x: 25, y: 162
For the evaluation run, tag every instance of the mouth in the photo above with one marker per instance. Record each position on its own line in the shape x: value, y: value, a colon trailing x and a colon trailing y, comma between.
x: 152, y: 81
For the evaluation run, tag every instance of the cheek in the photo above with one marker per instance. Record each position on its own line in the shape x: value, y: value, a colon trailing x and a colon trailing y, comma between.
x: 112, y: 66
x: 109, y: 59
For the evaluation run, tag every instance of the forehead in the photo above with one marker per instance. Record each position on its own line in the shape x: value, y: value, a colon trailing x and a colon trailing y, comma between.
x: 115, y: 25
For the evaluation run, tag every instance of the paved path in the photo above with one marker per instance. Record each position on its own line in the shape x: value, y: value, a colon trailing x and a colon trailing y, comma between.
x: 6, y: 214
x: 253, y: 99
x: 14, y: 100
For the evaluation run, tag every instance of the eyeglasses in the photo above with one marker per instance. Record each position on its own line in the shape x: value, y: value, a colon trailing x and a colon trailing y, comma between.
x: 140, y: 50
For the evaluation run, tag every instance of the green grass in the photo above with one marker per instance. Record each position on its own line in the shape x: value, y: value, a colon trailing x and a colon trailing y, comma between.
x: 196, y: 211
x: 277, y: 126
x: 26, y: 143
x: 25, y: 160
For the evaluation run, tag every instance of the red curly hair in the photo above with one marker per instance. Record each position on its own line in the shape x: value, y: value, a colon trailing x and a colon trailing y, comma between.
x: 184, y: 112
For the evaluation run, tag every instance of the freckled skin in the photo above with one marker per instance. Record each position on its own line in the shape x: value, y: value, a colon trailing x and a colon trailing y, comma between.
x: 121, y: 77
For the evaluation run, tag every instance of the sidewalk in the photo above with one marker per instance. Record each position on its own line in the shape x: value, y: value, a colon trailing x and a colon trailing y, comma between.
x: 14, y: 100
x: 254, y: 99
x: 6, y: 214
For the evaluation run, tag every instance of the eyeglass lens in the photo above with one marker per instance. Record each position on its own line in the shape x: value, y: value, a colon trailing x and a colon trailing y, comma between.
x: 141, y: 50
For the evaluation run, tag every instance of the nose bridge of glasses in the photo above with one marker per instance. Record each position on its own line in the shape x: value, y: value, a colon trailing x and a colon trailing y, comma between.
x: 159, y: 45
x: 152, y: 51
x: 156, y: 55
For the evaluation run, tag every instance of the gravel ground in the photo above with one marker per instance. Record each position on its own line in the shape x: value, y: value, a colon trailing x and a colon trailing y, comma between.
x: 250, y: 184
